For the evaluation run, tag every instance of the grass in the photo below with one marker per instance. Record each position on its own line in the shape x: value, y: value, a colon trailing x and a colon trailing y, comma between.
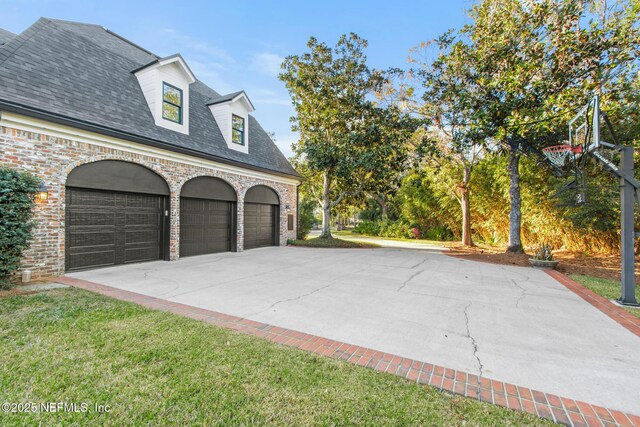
x: 349, y: 233
x: 319, y: 242
x: 610, y: 289
x: 156, y: 368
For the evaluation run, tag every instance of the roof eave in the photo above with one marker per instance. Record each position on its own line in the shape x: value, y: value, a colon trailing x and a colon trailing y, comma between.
x: 104, y: 130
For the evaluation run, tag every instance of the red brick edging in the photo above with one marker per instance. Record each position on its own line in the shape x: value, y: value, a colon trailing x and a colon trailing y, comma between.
x: 559, y: 409
x: 615, y: 312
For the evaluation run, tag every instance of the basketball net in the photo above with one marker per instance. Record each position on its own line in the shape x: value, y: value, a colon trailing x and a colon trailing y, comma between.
x: 557, y: 154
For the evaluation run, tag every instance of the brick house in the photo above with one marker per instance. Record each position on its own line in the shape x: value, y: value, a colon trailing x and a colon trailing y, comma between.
x: 141, y: 160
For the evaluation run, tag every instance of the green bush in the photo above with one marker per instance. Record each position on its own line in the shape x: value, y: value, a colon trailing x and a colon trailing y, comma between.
x: 17, y: 190
x: 439, y: 232
x: 398, y: 229
x: 367, y: 227
x: 306, y: 218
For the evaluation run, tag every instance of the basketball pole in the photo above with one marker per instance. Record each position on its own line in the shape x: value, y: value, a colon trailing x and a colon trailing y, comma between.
x: 627, y: 206
x: 629, y: 192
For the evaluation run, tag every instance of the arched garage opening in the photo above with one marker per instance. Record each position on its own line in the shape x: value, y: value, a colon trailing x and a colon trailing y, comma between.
x: 261, y: 217
x: 207, y: 217
x: 116, y: 212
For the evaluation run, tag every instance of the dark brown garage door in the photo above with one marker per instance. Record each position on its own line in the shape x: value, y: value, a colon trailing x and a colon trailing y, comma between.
x: 259, y: 225
x: 108, y: 228
x: 205, y: 226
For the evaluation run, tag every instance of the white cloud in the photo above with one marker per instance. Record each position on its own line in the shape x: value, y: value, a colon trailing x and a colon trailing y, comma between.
x: 267, y: 63
x: 208, y: 62
x: 182, y: 43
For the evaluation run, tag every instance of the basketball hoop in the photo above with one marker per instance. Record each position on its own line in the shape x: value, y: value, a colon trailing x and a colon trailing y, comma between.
x: 557, y: 154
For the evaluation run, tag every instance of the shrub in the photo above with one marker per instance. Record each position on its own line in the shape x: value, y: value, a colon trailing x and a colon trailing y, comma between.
x: 17, y: 191
x: 439, y: 232
x: 416, y: 232
x: 396, y: 229
x: 367, y: 227
x: 306, y: 218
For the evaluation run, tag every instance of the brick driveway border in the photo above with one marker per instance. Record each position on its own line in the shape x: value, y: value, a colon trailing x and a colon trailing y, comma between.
x: 624, y: 318
x: 544, y: 405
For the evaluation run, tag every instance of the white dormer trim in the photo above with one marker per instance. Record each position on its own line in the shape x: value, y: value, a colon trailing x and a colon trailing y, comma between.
x: 224, y: 108
x: 174, y: 71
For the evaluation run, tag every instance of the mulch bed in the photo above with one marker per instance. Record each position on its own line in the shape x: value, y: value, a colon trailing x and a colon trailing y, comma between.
x: 603, y: 266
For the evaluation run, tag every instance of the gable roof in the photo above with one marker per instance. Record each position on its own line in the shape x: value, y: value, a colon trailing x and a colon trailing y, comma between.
x: 82, y: 75
x: 5, y: 36
x: 231, y: 97
x: 169, y: 59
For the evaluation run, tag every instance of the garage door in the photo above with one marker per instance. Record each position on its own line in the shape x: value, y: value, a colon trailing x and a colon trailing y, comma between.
x: 259, y: 225
x: 207, y: 216
x: 109, y: 227
x: 205, y: 226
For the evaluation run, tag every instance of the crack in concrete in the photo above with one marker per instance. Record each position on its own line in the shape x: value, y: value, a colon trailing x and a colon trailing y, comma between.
x: 291, y: 299
x: 419, y: 264
x: 406, y: 282
x: 473, y: 343
x: 523, y: 293
x: 333, y: 282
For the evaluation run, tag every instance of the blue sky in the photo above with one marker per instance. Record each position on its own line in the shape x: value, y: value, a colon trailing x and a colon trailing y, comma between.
x: 233, y: 45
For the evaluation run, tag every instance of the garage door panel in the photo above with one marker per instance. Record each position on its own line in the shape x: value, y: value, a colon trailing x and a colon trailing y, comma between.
x: 90, y: 218
x: 144, y: 237
x: 126, y: 228
x: 88, y: 198
x: 151, y: 219
x: 205, y: 226
x: 82, y: 239
x: 93, y: 259
x: 140, y: 254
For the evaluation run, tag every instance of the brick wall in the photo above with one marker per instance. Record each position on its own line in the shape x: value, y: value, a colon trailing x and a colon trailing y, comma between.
x: 52, y: 158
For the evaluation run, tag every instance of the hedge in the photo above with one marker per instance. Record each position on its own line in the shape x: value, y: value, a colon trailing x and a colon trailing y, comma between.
x: 17, y: 191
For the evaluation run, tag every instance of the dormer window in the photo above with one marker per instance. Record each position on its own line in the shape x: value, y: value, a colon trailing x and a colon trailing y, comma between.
x: 171, y: 103
x: 237, y: 129
x: 231, y: 113
x: 165, y: 84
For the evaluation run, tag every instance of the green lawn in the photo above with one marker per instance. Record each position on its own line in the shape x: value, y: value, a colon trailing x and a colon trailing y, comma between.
x: 317, y: 242
x: 156, y: 368
x: 609, y: 289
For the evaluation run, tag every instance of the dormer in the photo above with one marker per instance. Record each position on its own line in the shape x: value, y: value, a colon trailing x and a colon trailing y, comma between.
x: 165, y: 84
x: 231, y: 113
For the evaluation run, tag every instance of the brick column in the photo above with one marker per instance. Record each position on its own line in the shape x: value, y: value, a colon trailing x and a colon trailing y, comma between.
x: 174, y: 228
x: 240, y: 225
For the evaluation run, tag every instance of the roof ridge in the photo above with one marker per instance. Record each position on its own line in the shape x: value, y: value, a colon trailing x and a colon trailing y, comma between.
x: 9, y: 48
x: 105, y: 29
x: 66, y: 21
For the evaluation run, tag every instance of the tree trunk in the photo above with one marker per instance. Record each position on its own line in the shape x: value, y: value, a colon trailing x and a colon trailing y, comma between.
x: 465, y: 204
x: 515, y: 214
x: 326, y: 207
x: 382, y: 201
x: 466, y: 217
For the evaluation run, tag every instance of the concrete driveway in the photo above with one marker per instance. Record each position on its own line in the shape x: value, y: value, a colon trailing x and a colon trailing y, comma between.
x: 514, y: 324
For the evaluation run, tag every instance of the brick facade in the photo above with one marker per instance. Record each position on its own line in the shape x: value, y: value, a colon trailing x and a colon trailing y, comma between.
x: 53, y: 158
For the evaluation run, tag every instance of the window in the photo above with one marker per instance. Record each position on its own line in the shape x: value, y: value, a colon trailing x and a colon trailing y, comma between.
x: 237, y: 129
x: 171, y: 103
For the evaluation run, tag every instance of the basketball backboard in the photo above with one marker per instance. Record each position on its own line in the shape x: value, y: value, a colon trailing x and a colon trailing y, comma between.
x: 584, y: 127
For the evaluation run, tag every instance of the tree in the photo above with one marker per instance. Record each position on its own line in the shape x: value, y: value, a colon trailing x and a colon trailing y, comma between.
x: 451, y: 101
x: 346, y: 140
x: 532, y: 57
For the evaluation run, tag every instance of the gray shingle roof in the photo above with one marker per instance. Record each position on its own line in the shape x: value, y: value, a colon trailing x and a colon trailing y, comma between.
x: 83, y: 73
x: 5, y: 36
